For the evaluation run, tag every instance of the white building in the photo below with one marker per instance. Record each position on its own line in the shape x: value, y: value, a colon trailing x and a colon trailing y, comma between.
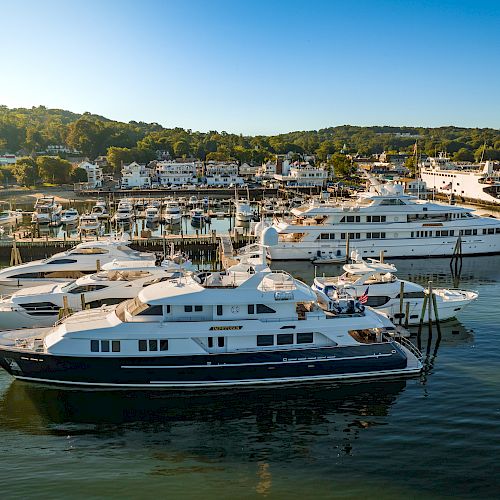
x: 248, y: 171
x: 267, y: 170
x: 7, y: 159
x: 222, y: 174
x: 177, y: 173
x: 135, y: 175
x: 301, y: 174
x: 94, y: 174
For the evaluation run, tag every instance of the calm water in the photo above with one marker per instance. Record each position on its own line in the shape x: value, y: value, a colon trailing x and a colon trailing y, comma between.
x: 433, y: 437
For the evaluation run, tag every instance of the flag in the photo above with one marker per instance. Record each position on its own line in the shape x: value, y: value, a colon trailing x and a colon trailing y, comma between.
x: 363, y: 299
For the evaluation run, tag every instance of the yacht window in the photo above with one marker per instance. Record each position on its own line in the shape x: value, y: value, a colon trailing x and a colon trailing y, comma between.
x: 210, y: 342
x: 376, y: 301
x: 304, y: 338
x: 497, y: 230
x: 284, y: 338
x: 188, y: 309
x: 115, y: 345
x: 105, y: 345
x: 62, y: 261
x: 143, y: 345
x: 412, y: 295
x: 29, y: 275
x: 265, y: 340
x: 491, y: 231
x: 220, y: 341
x: 468, y: 232
x: 40, y: 306
x: 163, y: 344
x: 153, y: 345
x: 325, y: 236
x: 219, y: 310
x: 198, y: 308
x: 167, y: 308
x: 263, y: 309
x: 94, y: 346
x: 87, y: 288
x: 251, y: 309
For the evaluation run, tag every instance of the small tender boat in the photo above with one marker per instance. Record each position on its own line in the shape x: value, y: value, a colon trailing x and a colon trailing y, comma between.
x: 377, y: 285
x: 70, y: 216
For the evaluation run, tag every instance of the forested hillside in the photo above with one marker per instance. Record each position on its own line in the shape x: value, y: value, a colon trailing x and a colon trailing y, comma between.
x: 27, y: 131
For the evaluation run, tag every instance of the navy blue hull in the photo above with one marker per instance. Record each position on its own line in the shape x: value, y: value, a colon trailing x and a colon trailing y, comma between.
x: 363, y: 361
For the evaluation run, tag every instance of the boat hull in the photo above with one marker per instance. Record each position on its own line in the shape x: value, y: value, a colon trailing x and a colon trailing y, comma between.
x: 222, y: 369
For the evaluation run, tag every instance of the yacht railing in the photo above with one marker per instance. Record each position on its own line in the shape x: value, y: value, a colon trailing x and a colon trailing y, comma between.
x: 405, y: 343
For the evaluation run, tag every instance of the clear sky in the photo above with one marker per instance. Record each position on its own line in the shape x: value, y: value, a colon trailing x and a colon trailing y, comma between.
x: 252, y: 66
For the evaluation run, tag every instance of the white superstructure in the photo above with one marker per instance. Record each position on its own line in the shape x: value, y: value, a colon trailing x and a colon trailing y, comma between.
x: 475, y: 182
x: 383, y: 219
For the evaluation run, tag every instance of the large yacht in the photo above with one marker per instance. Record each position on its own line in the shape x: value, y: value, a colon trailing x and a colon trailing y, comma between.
x: 118, y: 280
x: 383, y: 219
x: 84, y: 258
x: 245, y: 326
x: 376, y: 282
x: 473, y: 182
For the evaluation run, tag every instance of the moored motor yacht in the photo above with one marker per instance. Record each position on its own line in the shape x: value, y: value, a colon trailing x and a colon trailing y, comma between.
x: 244, y: 212
x: 116, y: 281
x: 152, y: 214
x: 245, y: 326
x: 70, y: 216
x: 383, y: 219
x: 197, y: 217
x: 100, y: 209
x: 172, y: 213
x: 71, y: 264
x: 89, y: 223
x: 381, y: 289
x: 124, y: 212
x: 46, y: 211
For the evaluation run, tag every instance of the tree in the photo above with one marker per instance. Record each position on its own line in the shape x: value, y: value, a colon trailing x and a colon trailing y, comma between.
x: 463, y: 154
x: 342, y: 166
x: 78, y: 174
x: 411, y: 165
x: 181, y: 148
x: 25, y: 171
x: 325, y: 148
x: 53, y: 169
x: 84, y: 135
x: 117, y: 157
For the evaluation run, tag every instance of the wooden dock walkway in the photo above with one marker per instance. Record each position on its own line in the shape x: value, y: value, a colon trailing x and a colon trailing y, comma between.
x: 226, y: 251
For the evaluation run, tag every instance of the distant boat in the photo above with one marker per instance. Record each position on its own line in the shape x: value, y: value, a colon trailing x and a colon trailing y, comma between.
x: 70, y: 216
x: 9, y: 217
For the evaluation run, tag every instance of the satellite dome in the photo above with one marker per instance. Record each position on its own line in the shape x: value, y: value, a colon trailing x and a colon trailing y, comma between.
x: 269, y: 237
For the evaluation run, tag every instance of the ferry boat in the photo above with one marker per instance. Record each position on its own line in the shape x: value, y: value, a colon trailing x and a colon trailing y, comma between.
x: 472, y: 182
x: 383, y: 219
x: 46, y: 211
x: 84, y: 258
x: 117, y: 281
x: 70, y: 216
x: 248, y: 326
x: 376, y: 282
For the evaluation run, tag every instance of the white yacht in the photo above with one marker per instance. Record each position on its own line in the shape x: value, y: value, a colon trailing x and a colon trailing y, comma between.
x: 381, y: 289
x: 10, y: 217
x: 46, y: 211
x: 383, y: 219
x: 71, y: 264
x: 89, y: 223
x: 197, y: 217
x: 41, y: 305
x: 124, y: 212
x: 70, y: 216
x: 472, y: 182
x: 152, y: 214
x: 100, y: 209
x: 172, y: 213
x: 246, y: 326
x: 244, y: 212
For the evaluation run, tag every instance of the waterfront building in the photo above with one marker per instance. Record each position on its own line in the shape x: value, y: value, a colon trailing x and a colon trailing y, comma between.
x: 135, y: 175
x: 301, y: 175
x: 177, y: 172
x: 222, y: 174
x: 248, y: 171
x: 94, y: 174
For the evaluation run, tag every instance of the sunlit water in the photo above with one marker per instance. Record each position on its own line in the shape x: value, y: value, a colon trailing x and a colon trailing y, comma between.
x: 437, y: 436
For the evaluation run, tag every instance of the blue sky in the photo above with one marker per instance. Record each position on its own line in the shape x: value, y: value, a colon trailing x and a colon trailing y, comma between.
x: 256, y: 66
